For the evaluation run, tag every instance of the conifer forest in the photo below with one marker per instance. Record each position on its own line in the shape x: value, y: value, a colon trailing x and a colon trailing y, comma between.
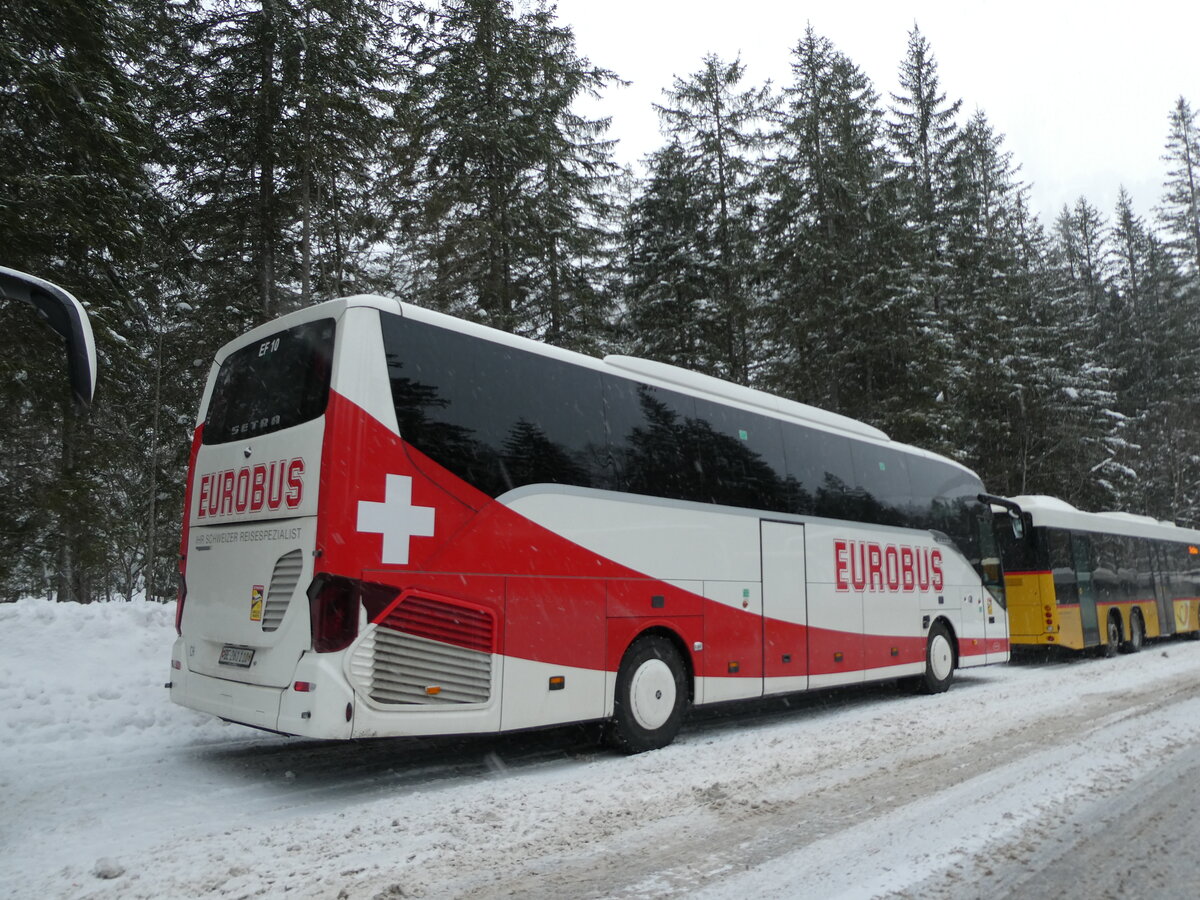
x: 190, y: 169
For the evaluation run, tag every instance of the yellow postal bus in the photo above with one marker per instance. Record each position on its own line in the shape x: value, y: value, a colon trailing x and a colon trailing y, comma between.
x: 1078, y: 579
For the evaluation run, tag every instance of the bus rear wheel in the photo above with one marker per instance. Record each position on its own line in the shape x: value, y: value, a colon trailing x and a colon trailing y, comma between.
x: 939, y: 662
x: 1114, y: 635
x: 1137, y: 634
x: 651, y: 697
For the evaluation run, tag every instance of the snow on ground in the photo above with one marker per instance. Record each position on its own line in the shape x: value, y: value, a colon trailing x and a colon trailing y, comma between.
x: 108, y: 790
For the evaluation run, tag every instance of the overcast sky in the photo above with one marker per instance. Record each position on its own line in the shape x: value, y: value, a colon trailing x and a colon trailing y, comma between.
x: 1080, y: 90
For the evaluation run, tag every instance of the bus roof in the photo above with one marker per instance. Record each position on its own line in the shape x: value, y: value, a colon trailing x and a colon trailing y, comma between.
x: 1051, y: 512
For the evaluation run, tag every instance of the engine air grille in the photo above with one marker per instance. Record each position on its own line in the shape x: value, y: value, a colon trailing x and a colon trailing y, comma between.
x: 283, y: 585
x: 439, y: 620
x: 427, y: 652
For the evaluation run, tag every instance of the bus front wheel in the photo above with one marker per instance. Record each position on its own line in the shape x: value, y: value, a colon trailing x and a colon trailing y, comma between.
x: 939, y: 661
x: 651, y: 696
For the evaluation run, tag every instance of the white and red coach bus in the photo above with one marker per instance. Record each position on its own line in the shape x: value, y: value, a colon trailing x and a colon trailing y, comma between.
x: 400, y: 523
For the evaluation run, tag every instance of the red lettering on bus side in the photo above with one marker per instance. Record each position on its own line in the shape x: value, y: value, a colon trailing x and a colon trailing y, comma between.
x: 295, y: 473
x: 922, y: 568
x: 935, y: 567
x: 225, y: 507
x: 241, y: 497
x: 875, y: 566
x: 275, y: 475
x: 258, y: 483
x: 891, y: 567
x: 839, y: 566
x: 205, y: 490
x: 858, y: 565
x: 907, y: 578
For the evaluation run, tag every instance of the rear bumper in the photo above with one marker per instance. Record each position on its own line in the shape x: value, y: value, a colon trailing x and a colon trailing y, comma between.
x: 319, y: 713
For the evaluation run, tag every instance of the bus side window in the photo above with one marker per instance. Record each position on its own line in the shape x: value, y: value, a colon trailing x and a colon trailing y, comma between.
x: 1106, y: 549
x: 1062, y: 565
x: 1145, y: 569
x: 1181, y: 586
x: 741, y: 454
x: 496, y: 418
x: 651, y: 440
x: 820, y: 474
x: 1127, y: 568
x: 881, y: 483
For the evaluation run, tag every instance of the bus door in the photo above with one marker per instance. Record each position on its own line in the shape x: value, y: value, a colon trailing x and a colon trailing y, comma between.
x: 991, y: 573
x: 785, y: 608
x: 1162, y: 596
x: 1081, y: 548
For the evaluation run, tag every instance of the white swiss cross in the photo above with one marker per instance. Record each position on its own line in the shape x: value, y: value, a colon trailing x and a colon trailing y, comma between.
x: 396, y: 519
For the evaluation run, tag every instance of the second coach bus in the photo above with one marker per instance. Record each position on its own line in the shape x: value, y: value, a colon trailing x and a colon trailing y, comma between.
x: 1078, y: 579
x: 401, y: 523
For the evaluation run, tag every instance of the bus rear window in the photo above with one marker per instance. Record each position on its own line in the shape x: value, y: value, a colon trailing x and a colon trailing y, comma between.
x: 272, y: 384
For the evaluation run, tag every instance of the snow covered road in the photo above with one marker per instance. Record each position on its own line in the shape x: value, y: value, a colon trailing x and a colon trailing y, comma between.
x: 1019, y: 772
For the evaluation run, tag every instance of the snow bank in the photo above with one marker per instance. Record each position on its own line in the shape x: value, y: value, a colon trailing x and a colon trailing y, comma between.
x: 74, y: 676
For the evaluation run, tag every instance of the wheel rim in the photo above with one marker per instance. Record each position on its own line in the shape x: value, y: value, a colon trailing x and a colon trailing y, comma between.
x: 1114, y: 634
x: 652, y: 694
x: 941, y: 657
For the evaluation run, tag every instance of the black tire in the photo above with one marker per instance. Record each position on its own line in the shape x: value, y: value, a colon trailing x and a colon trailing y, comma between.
x: 1137, y: 633
x: 1114, y: 635
x: 939, y: 661
x: 651, y: 697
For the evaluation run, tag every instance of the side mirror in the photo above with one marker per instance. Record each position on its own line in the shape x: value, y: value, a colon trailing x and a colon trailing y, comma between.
x: 1018, y: 526
x: 67, y: 318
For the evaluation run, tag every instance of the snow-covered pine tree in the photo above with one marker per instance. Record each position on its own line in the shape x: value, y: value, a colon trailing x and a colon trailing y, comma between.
x: 1154, y: 343
x: 508, y: 170
x: 717, y: 122
x: 1179, y: 211
x: 847, y: 332
x: 1087, y: 469
x: 573, y: 183
x: 280, y: 113
x: 924, y: 133
x: 79, y: 208
x: 987, y: 281
x: 668, y: 282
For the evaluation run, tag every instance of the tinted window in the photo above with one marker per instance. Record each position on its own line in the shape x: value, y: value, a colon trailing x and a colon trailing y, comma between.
x: 1107, y: 556
x: 741, y: 457
x: 881, y: 484
x: 1146, y: 566
x: 1127, y: 571
x: 1023, y: 554
x: 275, y: 383
x: 1062, y: 566
x: 654, y: 441
x: 1193, y: 568
x: 496, y: 417
x: 1181, y: 582
x: 820, y: 472
x: 946, y: 499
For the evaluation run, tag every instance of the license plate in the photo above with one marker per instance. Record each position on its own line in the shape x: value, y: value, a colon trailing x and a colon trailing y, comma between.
x: 236, y: 656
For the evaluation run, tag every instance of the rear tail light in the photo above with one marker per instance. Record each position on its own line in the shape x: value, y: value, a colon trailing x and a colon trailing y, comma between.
x: 334, y: 605
x: 179, y: 604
